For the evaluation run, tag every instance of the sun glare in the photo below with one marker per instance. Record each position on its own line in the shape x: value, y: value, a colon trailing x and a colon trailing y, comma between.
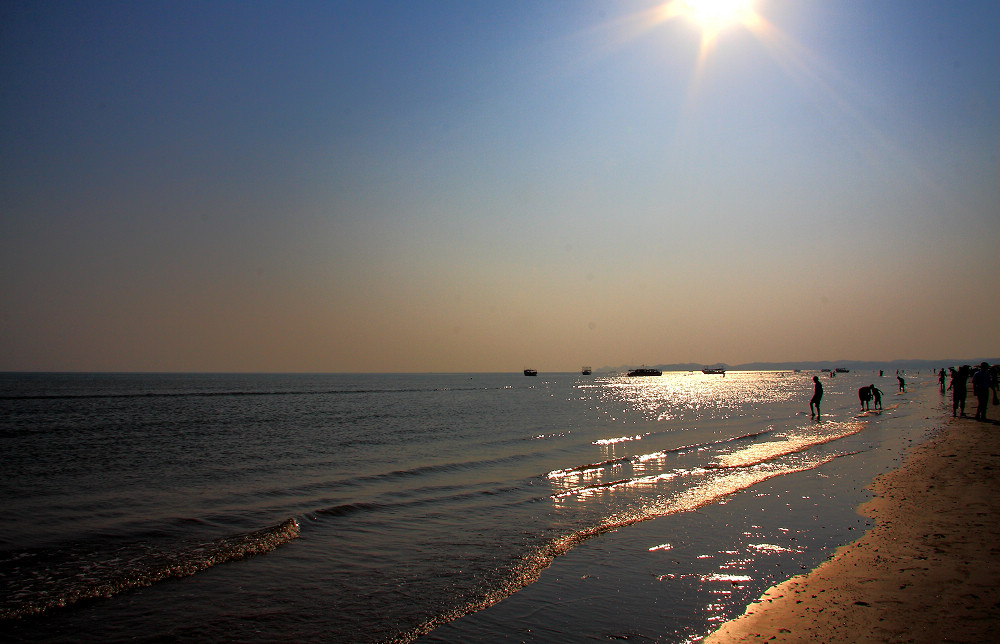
x: 715, y: 16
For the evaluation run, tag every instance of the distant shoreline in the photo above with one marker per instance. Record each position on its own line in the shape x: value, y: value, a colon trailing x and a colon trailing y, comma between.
x: 818, y: 365
x: 889, y: 366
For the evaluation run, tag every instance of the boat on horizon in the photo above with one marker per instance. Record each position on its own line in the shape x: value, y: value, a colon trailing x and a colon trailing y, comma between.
x: 714, y: 370
x: 644, y: 371
x: 586, y: 371
x: 530, y: 372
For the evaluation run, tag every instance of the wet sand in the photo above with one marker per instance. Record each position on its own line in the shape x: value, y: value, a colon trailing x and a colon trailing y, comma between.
x: 927, y: 572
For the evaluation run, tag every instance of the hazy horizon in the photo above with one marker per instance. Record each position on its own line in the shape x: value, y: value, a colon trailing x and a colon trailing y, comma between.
x: 816, y: 365
x: 463, y: 187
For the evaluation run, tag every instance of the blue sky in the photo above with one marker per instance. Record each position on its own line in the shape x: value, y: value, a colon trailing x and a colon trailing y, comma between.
x: 488, y: 186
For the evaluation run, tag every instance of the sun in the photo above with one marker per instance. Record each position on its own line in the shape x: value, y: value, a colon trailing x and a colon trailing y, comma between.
x: 715, y: 16
x: 709, y: 18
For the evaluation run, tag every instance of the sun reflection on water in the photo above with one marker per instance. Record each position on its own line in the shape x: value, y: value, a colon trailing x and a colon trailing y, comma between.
x: 691, y: 440
x: 684, y: 476
x: 677, y: 394
x: 788, y: 444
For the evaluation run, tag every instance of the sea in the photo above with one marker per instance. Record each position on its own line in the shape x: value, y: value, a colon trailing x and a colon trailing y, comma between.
x: 427, y: 507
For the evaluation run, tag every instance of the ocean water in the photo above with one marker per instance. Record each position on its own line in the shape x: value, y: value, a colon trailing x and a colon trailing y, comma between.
x: 441, y: 507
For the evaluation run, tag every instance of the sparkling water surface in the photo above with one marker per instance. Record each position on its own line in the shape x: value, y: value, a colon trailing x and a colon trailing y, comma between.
x: 391, y: 507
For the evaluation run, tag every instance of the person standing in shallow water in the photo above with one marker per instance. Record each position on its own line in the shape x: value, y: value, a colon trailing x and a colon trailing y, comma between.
x: 877, y: 394
x: 982, y: 386
x: 865, y: 396
x: 959, y: 386
x: 817, y: 396
x: 941, y: 380
x: 902, y: 383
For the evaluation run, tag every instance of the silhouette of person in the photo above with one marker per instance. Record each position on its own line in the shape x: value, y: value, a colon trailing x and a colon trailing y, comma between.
x: 995, y: 377
x: 902, y: 383
x: 865, y: 396
x: 941, y: 380
x: 982, y: 386
x: 959, y: 389
x: 877, y: 395
x: 817, y: 396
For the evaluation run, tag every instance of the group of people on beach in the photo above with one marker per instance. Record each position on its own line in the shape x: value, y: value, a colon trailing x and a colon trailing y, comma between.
x: 984, y: 382
x: 870, y: 397
x: 865, y: 394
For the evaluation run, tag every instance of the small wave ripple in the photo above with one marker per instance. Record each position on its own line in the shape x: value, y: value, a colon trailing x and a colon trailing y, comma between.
x: 40, y: 580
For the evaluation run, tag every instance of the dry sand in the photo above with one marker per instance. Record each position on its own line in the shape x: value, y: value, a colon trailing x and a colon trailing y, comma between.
x: 928, y: 571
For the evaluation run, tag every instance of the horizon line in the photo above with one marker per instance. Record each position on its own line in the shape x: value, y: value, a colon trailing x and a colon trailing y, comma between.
x: 758, y: 365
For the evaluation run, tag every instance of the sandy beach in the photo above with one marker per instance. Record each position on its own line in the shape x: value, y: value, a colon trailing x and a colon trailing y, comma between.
x: 927, y: 571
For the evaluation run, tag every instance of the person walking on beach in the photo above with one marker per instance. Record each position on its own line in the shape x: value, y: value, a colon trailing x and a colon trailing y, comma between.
x: 959, y: 389
x: 941, y: 380
x: 982, y: 386
x: 865, y: 396
x: 902, y: 383
x: 877, y: 395
x: 817, y: 396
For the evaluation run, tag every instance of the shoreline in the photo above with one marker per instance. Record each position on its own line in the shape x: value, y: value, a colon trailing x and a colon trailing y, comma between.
x: 926, y: 572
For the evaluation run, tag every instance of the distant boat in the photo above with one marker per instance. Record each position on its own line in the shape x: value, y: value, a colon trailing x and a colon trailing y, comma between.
x: 645, y: 372
x: 530, y: 372
x: 714, y: 370
x: 586, y: 371
x: 842, y: 370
